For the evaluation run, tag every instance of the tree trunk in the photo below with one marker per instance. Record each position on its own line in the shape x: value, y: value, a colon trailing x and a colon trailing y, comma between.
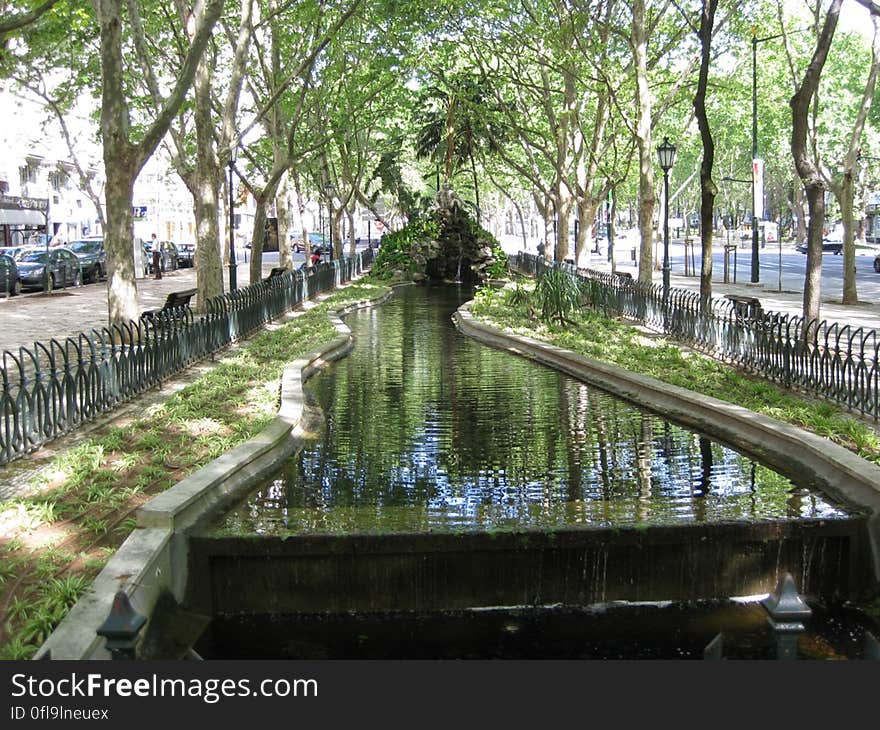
x: 814, y: 184
x: 643, y: 140
x: 845, y: 190
x: 282, y: 210
x: 845, y: 193
x: 206, y: 192
x: 256, y: 263
x: 351, y: 243
x: 120, y: 168
x: 337, y: 214
x: 122, y: 297
x: 586, y: 208
x: 562, y: 204
x: 708, y: 191
x: 800, y: 231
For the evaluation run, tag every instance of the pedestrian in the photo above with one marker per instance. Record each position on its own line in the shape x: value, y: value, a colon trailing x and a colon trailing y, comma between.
x: 316, y: 258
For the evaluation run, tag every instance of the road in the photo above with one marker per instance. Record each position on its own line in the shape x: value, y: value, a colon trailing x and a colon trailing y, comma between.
x: 793, y: 268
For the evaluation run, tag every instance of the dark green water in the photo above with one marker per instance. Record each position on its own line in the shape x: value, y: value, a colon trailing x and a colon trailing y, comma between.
x: 423, y: 429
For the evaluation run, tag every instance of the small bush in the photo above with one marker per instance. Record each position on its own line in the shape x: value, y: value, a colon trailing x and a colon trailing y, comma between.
x: 558, y: 296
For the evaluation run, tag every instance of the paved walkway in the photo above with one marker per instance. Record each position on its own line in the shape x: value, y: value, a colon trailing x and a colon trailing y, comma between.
x: 68, y: 312
x: 788, y: 301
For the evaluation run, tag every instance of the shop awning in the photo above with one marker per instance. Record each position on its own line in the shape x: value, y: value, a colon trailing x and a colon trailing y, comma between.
x: 21, y: 217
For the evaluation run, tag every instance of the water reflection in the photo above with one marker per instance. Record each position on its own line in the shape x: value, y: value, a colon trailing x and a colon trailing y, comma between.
x: 424, y: 429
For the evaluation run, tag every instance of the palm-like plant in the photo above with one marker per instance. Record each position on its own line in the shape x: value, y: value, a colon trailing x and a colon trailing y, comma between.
x: 456, y: 125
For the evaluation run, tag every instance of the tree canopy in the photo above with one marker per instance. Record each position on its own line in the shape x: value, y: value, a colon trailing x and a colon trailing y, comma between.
x: 548, y: 107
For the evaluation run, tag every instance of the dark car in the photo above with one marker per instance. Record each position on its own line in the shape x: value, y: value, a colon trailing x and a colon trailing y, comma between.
x: 877, y: 263
x: 828, y: 246
x: 9, y: 283
x: 64, y: 268
x: 12, y: 250
x: 318, y: 242
x: 186, y: 254
x: 92, y: 257
x: 168, y: 255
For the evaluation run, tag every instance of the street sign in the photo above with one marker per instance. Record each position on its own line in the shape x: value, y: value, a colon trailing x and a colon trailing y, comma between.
x: 139, y: 212
x: 758, y: 177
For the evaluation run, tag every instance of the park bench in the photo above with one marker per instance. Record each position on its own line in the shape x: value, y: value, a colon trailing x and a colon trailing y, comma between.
x: 173, y: 302
x: 746, y: 307
x: 276, y: 272
x: 624, y: 275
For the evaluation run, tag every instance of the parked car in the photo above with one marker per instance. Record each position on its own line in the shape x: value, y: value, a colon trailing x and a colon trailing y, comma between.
x: 12, y: 250
x: 186, y: 254
x: 318, y: 242
x: 168, y: 256
x: 64, y: 268
x: 9, y: 283
x: 92, y: 257
x: 828, y: 246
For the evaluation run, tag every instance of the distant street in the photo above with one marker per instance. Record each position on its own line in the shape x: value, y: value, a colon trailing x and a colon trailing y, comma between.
x: 793, y: 268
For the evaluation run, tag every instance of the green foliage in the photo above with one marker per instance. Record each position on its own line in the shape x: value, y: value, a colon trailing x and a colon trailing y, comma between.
x: 396, y: 251
x: 455, y: 233
x: 558, y: 295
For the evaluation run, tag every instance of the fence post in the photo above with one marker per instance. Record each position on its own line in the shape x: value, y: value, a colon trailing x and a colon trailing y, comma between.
x: 122, y: 627
x: 786, y: 612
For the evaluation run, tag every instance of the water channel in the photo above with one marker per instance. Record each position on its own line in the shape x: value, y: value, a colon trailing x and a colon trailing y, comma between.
x: 422, y: 431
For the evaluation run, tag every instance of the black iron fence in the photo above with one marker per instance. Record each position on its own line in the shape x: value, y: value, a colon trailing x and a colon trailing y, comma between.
x: 53, y: 387
x: 832, y: 360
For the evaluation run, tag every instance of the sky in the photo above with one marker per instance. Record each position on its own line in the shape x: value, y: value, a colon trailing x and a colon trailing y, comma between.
x: 855, y: 17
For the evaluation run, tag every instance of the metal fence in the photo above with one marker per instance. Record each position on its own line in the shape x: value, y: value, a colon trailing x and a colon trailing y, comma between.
x: 53, y: 387
x: 835, y: 361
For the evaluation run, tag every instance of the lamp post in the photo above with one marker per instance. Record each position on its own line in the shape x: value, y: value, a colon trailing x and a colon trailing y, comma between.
x: 331, y: 191
x: 666, y: 153
x: 233, y: 284
x: 757, y: 168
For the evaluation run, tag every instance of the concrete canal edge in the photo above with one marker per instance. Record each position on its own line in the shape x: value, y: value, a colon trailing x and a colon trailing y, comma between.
x: 153, y: 559
x: 836, y: 471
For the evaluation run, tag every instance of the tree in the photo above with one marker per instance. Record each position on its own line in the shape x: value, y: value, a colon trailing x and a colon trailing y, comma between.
x: 124, y: 152
x: 808, y: 171
x: 708, y: 191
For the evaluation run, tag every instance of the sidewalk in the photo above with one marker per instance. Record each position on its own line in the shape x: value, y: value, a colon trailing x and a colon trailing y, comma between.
x: 788, y: 301
x: 68, y: 312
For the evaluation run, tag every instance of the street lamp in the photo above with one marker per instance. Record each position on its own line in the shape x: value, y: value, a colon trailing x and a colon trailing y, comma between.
x: 233, y: 284
x: 757, y: 168
x: 331, y: 191
x: 666, y: 153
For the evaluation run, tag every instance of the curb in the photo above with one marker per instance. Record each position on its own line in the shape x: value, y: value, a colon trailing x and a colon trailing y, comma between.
x: 154, y: 557
x: 835, y: 470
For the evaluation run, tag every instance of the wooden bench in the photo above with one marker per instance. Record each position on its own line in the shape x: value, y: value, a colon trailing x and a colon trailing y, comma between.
x: 746, y: 307
x: 175, y: 300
